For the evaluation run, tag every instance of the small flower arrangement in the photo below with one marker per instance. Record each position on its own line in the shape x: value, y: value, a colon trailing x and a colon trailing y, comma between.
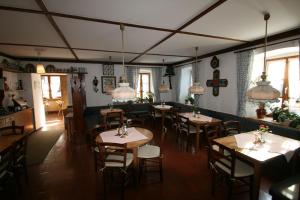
x: 263, y: 128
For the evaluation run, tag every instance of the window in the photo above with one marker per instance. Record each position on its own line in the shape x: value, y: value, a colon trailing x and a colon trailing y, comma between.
x: 51, y: 87
x: 284, y: 76
x: 143, y: 86
x: 282, y: 72
x: 185, y: 82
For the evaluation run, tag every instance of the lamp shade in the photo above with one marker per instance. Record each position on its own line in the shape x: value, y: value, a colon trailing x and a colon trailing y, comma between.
x: 123, y: 93
x: 163, y: 88
x: 196, y: 89
x: 263, y: 93
x: 40, y: 69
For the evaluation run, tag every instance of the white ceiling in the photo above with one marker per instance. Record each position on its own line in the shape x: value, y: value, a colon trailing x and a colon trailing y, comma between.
x: 239, y: 19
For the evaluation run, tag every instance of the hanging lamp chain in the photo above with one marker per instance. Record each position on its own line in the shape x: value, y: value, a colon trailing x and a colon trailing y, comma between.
x: 264, y: 73
x: 196, y: 64
x: 122, y: 27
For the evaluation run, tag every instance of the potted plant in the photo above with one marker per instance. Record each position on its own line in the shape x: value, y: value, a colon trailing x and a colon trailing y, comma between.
x: 189, y: 100
x: 150, y: 97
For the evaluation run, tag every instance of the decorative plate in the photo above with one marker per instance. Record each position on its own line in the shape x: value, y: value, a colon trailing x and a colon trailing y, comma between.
x: 214, y: 63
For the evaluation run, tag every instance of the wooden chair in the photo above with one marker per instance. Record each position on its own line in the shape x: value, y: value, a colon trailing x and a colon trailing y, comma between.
x: 154, y: 114
x: 7, y: 178
x: 152, y: 156
x: 231, y: 128
x: 20, y: 160
x: 114, y: 158
x: 186, y: 129
x: 173, y: 115
x: 114, y: 119
x: 92, y: 134
x: 229, y: 167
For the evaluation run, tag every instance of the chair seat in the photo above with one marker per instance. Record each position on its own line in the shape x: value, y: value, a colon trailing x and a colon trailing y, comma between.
x: 148, y: 151
x: 241, y: 168
x: 193, y: 130
x: 129, y: 160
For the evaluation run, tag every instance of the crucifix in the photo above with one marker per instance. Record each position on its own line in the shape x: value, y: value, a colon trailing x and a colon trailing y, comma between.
x: 216, y: 82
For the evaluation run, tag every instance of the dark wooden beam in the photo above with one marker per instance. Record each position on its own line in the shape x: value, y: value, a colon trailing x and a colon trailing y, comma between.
x: 252, y: 44
x: 85, y: 49
x: 117, y: 23
x: 30, y: 59
x: 55, y: 26
x: 7, y: 55
x: 212, y: 7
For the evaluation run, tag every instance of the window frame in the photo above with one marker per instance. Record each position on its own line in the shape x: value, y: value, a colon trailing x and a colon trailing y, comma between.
x: 285, y: 88
x: 49, y: 86
x: 141, y: 83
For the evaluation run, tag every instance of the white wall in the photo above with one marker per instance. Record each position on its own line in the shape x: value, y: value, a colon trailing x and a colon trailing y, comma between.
x: 38, y: 104
x: 227, y: 100
x: 92, y: 98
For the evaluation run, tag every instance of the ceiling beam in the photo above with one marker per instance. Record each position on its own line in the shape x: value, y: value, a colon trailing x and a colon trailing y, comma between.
x: 7, y: 55
x: 212, y: 7
x: 117, y: 23
x: 253, y: 45
x: 55, y: 26
x: 84, y: 49
x: 30, y: 59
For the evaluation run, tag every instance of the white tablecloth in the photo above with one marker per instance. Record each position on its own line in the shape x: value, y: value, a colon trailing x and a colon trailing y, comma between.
x: 201, y: 118
x: 274, y: 145
x: 163, y: 107
x: 133, y: 135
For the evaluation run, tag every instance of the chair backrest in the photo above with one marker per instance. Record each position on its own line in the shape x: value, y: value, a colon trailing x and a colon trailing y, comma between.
x: 231, y: 127
x: 221, y: 161
x: 12, y: 130
x: 211, y: 132
x: 6, y: 160
x: 184, y: 124
x: 19, y: 150
x: 115, y: 117
x: 96, y: 130
x: 109, y: 152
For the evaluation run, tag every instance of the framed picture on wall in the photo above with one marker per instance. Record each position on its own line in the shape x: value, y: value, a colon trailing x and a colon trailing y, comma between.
x: 108, y: 83
x: 108, y: 70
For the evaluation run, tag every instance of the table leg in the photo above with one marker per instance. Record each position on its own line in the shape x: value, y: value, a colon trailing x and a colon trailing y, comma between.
x: 197, y: 138
x: 135, y: 163
x: 162, y: 121
x: 256, y: 182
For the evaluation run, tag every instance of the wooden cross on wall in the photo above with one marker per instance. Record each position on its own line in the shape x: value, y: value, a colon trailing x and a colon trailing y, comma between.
x: 216, y: 82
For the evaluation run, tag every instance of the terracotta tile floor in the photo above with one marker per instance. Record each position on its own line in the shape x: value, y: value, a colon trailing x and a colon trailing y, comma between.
x: 68, y: 173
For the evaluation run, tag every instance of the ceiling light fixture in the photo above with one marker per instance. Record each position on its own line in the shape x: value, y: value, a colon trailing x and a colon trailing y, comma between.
x: 40, y: 69
x: 123, y: 93
x: 163, y: 88
x: 263, y: 92
x: 196, y: 88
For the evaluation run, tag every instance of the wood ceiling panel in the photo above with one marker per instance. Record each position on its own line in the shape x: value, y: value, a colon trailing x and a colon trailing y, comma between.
x: 28, y: 4
x: 27, y: 28
x: 21, y: 51
x: 83, y: 34
x: 159, y: 59
x: 166, y: 13
x: 185, y: 45
x: 102, y: 56
x: 244, y: 19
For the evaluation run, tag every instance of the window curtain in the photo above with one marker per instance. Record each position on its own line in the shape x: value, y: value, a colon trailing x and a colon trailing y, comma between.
x: 156, y: 80
x: 177, y: 83
x: 196, y: 76
x: 244, y: 71
x: 132, y: 73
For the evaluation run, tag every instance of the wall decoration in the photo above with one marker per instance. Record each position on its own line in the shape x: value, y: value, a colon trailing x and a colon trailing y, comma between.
x: 216, y: 82
x: 214, y: 63
x: 108, y: 70
x: 108, y: 82
x: 95, y: 84
x: 50, y: 68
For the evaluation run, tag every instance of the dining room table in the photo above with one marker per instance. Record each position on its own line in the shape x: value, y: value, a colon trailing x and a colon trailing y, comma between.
x: 257, y: 153
x: 163, y: 110
x: 136, y: 137
x: 199, y: 121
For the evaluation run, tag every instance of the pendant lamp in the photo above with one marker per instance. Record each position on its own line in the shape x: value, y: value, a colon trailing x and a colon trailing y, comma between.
x: 123, y: 93
x: 196, y: 88
x: 263, y: 92
x: 163, y: 88
x: 40, y: 69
